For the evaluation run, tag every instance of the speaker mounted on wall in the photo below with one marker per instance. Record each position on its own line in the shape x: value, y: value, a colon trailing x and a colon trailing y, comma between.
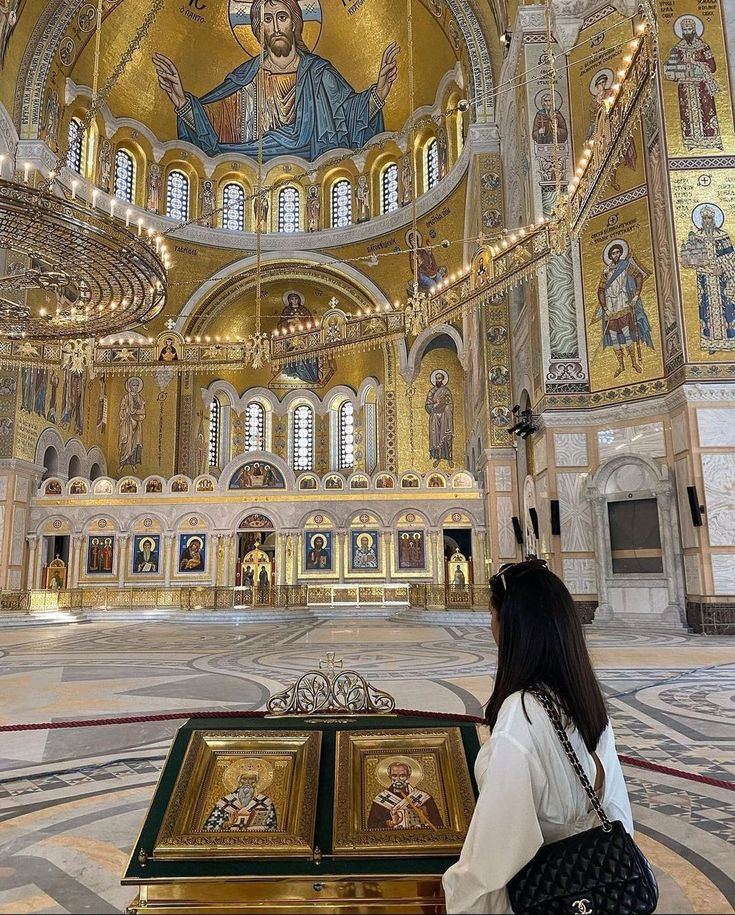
x: 694, y: 507
x: 533, y: 515
x: 555, y: 518
x: 518, y: 529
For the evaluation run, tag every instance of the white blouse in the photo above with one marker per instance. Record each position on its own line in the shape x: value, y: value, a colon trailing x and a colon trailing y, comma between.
x: 529, y: 796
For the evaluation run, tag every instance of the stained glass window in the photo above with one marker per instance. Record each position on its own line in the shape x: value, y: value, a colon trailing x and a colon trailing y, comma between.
x: 233, y: 203
x: 177, y: 196
x: 289, y: 206
x: 124, y: 176
x: 214, y: 423
x: 341, y: 204
x: 302, y: 439
x: 75, y: 138
x: 255, y: 427
x: 389, y: 189
x: 431, y: 164
x: 346, y: 436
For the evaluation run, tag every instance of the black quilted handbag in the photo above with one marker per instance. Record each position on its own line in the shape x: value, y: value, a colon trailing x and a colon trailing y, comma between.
x: 600, y: 870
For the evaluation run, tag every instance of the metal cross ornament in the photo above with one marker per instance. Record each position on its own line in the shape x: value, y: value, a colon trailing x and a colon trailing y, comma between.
x: 330, y: 665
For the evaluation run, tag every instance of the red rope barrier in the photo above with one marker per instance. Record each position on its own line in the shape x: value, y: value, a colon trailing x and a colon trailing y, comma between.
x: 440, y: 716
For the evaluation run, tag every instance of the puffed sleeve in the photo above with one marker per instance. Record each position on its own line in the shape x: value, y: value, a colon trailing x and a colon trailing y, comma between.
x: 504, y: 833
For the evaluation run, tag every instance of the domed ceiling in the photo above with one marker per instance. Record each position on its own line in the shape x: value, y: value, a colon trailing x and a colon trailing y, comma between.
x: 336, y: 70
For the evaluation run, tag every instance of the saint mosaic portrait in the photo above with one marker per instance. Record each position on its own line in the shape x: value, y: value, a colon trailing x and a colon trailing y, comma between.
x: 243, y: 793
x: 401, y: 792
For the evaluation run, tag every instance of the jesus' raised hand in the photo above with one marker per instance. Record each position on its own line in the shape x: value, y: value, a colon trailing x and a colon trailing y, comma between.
x: 388, y: 71
x: 169, y: 80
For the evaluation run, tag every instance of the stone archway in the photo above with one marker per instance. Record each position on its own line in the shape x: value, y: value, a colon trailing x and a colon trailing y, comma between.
x: 653, y: 595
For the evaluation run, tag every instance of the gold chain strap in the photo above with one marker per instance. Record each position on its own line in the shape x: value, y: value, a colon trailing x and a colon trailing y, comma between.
x: 561, y: 732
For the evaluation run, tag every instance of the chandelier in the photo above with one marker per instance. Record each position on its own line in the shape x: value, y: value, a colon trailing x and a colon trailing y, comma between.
x: 72, y: 270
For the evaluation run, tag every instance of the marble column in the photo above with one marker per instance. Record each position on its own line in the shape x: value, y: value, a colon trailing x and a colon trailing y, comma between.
x: 386, y: 546
x: 75, y: 560
x: 170, y: 543
x: 673, y: 563
x: 479, y: 554
x: 122, y: 558
x: 31, y: 580
x: 341, y: 554
x: 604, y: 612
x: 437, y: 555
x: 221, y: 563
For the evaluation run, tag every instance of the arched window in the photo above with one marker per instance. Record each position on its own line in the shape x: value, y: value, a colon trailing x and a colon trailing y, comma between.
x: 177, y: 196
x: 124, y: 176
x: 341, y: 204
x: 75, y: 145
x: 214, y: 430
x: 431, y: 164
x: 255, y: 427
x: 346, y: 436
x: 233, y: 203
x: 389, y: 189
x: 289, y: 207
x: 302, y: 439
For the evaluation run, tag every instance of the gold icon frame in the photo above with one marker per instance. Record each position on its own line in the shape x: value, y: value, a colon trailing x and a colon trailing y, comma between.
x: 439, y: 769
x: 289, y: 759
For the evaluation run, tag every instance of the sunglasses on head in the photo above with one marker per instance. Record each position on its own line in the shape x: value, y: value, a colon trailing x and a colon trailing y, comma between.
x: 512, y: 570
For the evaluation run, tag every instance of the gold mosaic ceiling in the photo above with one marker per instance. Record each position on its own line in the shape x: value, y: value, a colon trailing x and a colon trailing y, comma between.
x: 205, y: 42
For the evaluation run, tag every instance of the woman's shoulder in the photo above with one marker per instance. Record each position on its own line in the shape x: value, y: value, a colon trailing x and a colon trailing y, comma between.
x: 518, y: 715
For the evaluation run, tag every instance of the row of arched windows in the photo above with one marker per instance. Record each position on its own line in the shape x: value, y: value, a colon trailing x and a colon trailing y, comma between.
x: 288, y: 201
x: 301, y: 434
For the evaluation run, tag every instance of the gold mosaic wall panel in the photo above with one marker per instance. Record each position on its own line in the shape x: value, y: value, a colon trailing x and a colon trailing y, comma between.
x: 623, y: 345
x: 699, y: 114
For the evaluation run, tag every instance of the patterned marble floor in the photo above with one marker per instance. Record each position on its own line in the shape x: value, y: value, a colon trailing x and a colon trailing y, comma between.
x: 72, y: 801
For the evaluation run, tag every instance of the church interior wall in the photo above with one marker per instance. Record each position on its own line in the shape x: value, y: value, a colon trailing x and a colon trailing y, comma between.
x: 492, y: 177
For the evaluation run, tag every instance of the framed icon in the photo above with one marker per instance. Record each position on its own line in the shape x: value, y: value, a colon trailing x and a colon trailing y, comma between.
x: 243, y: 794
x: 401, y: 792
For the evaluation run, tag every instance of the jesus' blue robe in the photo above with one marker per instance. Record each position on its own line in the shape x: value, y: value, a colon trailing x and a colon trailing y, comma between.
x: 329, y: 114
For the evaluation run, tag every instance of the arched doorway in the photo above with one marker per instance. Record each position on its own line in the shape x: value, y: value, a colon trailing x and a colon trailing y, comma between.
x: 458, y: 556
x: 255, y: 534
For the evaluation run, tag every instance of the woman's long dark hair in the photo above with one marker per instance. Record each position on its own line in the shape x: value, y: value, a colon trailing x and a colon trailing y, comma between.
x: 542, y: 644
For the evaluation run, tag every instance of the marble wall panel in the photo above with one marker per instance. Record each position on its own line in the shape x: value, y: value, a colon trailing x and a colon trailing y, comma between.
x: 681, y: 473
x: 679, y: 436
x: 22, y: 489
x: 570, y: 449
x: 3, y: 487
x: 646, y: 440
x: 575, y: 513
x: 19, y: 536
x: 503, y: 479
x: 539, y: 454
x: 580, y: 575
x: 716, y: 427
x: 723, y: 572
x: 506, y: 537
x: 718, y: 471
x: 692, y: 575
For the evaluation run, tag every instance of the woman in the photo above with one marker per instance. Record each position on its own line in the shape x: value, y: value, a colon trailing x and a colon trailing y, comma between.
x: 529, y: 793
